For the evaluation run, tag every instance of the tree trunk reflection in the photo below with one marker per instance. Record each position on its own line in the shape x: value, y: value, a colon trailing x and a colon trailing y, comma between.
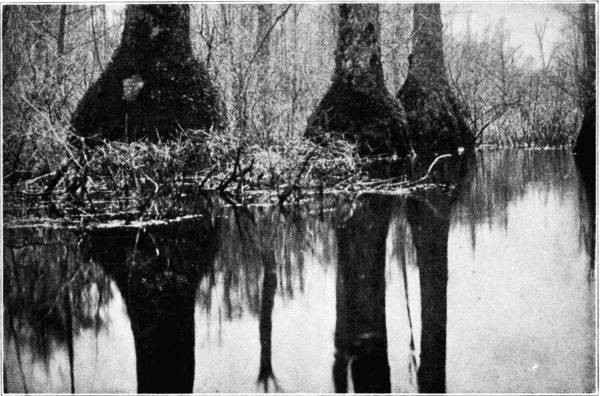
x: 266, y: 320
x: 428, y: 214
x: 360, y: 331
x: 429, y: 219
x: 157, y: 270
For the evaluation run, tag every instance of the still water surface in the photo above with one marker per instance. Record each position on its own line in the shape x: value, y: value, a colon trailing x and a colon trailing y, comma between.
x: 488, y: 289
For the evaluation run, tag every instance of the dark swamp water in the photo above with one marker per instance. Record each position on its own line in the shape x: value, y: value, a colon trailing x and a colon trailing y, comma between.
x: 489, y: 289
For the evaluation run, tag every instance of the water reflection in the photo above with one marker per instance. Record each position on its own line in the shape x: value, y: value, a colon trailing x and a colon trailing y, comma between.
x: 157, y: 271
x: 360, y: 331
x: 269, y: 288
x: 480, y: 288
x: 587, y: 199
x: 50, y: 297
x: 429, y: 214
x: 520, y: 299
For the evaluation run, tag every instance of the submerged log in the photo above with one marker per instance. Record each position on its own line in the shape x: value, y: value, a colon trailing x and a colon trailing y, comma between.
x: 154, y: 86
x: 358, y: 106
x: 436, y: 122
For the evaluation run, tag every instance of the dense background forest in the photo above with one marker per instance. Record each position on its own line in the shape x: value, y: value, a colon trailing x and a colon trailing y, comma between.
x: 272, y: 63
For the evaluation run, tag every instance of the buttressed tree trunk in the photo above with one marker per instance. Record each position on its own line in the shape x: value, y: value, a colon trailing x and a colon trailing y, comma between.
x: 436, y: 123
x: 154, y: 86
x: 585, y: 147
x: 358, y: 106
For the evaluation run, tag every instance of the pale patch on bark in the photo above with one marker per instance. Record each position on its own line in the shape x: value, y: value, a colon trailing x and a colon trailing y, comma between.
x: 132, y: 87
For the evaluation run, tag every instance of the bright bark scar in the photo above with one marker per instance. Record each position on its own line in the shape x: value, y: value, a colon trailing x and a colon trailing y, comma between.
x: 132, y: 87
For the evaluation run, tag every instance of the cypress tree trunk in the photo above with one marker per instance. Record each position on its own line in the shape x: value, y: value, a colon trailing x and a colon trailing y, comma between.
x: 436, y: 123
x: 358, y: 106
x: 154, y: 85
x: 585, y: 147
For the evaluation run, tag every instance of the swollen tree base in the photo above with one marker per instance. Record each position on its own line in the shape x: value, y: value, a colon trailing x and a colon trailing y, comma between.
x: 374, y: 120
x: 436, y: 123
x: 435, y: 120
x: 154, y: 87
x: 358, y: 107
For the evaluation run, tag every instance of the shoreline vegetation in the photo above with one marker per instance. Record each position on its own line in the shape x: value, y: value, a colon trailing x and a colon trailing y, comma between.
x: 146, y: 181
x: 82, y: 136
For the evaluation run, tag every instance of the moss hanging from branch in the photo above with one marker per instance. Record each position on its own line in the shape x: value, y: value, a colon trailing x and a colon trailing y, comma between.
x: 436, y: 123
x: 154, y: 86
x: 358, y: 106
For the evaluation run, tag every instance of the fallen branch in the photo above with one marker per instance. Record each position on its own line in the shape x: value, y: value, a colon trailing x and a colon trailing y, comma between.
x: 57, y: 177
x: 225, y: 183
x: 243, y: 174
x: 288, y: 191
x: 427, y: 175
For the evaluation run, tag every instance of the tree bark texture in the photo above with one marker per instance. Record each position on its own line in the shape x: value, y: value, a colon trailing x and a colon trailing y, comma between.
x: 585, y: 147
x: 153, y: 86
x: 436, y: 122
x: 358, y: 106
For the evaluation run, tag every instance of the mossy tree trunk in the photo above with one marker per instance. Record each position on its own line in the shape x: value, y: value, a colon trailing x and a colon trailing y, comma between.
x: 154, y: 86
x: 436, y: 123
x: 585, y: 147
x: 358, y: 106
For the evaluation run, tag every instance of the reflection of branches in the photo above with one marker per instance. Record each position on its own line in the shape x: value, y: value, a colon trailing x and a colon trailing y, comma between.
x: 402, y: 260
x: 69, y: 324
x: 13, y: 332
x: 47, y: 289
x: 254, y: 234
x: 266, y: 322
